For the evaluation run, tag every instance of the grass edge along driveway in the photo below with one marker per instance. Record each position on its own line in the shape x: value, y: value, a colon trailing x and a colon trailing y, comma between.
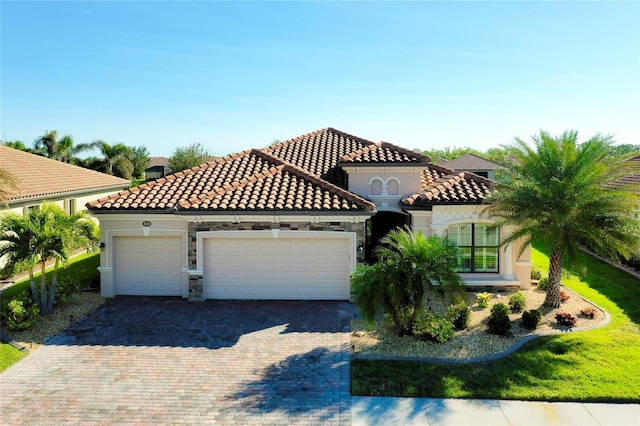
x: 590, y: 366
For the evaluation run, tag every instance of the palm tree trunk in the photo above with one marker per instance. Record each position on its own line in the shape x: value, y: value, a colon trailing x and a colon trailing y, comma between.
x: 555, y: 274
x: 54, y: 286
x: 34, y: 288
x: 43, y: 289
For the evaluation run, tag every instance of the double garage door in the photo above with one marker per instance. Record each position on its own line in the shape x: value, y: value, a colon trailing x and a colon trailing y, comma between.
x: 239, y: 268
x: 277, y: 268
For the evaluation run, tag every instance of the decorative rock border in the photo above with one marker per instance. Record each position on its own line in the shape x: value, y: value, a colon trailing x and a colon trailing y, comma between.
x: 519, y: 344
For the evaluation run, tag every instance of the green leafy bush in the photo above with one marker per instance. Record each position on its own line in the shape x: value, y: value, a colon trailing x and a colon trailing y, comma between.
x: 460, y: 315
x: 405, y: 315
x: 565, y: 318
x: 536, y: 274
x: 19, y: 313
x: 543, y: 283
x: 67, y: 287
x: 499, y: 322
x: 517, y: 301
x: 433, y: 327
x: 483, y: 299
x: 531, y: 318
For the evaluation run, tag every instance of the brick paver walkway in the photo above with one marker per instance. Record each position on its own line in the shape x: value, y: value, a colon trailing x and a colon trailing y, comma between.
x: 159, y: 360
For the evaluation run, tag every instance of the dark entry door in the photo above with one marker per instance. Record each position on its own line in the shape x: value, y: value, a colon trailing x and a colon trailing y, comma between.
x: 378, y: 227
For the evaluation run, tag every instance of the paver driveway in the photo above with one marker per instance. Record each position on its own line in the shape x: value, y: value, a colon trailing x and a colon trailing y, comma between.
x: 164, y: 360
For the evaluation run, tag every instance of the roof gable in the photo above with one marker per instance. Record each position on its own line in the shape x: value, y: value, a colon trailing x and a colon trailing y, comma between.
x: 441, y: 185
x: 40, y: 177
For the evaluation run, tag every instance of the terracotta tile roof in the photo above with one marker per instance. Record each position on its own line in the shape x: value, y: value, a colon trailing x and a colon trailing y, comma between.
x: 41, y: 177
x: 471, y: 162
x: 634, y: 176
x: 251, y: 180
x: 441, y: 185
x: 301, y: 174
x: 280, y: 188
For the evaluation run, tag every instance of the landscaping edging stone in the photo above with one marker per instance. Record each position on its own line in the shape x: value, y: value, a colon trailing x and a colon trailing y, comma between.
x: 519, y: 344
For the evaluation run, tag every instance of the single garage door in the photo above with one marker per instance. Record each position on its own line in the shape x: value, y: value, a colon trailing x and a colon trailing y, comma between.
x: 148, y: 266
x: 277, y: 268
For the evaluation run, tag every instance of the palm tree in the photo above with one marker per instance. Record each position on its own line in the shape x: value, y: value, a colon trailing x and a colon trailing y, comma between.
x: 409, y: 265
x: 28, y: 242
x: 561, y: 194
x: 62, y: 150
x: 116, y: 158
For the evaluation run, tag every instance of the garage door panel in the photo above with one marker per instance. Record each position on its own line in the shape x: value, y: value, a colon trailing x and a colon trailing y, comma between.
x: 149, y: 266
x: 277, y: 268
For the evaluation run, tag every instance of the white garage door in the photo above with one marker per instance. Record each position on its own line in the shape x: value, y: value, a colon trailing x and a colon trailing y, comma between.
x: 277, y: 268
x: 148, y: 266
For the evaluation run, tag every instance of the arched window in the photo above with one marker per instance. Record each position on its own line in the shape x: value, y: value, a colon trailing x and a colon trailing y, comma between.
x: 392, y: 187
x: 479, y: 246
x: 376, y: 187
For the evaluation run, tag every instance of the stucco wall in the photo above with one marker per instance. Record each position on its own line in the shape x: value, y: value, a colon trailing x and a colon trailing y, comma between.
x: 405, y: 179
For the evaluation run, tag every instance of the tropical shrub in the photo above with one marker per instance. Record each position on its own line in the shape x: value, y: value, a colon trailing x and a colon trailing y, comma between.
x: 589, y: 312
x: 499, y: 322
x: 409, y: 263
x: 531, y: 318
x: 483, y: 299
x: 459, y: 314
x: 564, y: 296
x: 433, y: 327
x: 20, y: 312
x: 543, y: 283
x: 565, y: 318
x: 536, y: 274
x: 517, y: 301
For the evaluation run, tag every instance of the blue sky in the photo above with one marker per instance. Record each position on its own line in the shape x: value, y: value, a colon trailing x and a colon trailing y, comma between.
x: 236, y: 75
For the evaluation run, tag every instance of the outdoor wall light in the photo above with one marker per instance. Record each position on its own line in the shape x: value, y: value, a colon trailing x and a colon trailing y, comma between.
x: 360, y: 249
x: 102, y: 246
x: 146, y: 228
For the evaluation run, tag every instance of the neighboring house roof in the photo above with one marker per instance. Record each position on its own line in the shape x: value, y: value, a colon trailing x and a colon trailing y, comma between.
x: 302, y: 174
x: 441, y: 185
x: 40, y: 177
x: 158, y: 162
x: 634, y: 177
x: 472, y: 162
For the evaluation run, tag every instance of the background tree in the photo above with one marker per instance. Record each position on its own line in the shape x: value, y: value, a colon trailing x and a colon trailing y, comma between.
x: 116, y: 158
x: 409, y: 266
x: 28, y: 242
x: 191, y: 156
x: 19, y: 145
x: 140, y: 159
x: 62, y: 149
x: 561, y: 194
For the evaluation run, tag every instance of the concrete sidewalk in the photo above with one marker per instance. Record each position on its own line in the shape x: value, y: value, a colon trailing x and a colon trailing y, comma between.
x: 430, y: 411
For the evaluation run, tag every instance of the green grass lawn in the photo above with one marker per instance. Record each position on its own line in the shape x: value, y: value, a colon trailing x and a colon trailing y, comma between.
x: 591, y: 366
x: 9, y: 356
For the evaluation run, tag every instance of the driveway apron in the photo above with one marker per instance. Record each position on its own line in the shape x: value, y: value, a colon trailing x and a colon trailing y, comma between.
x: 165, y: 360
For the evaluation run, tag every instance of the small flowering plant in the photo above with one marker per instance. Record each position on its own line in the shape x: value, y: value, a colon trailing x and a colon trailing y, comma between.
x: 564, y: 296
x: 565, y: 318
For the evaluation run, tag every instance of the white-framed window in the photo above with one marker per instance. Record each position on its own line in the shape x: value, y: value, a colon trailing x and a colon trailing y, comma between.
x: 479, y: 245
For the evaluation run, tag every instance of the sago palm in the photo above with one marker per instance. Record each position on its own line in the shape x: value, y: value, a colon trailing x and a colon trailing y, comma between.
x: 28, y: 242
x: 410, y: 265
x: 562, y: 193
